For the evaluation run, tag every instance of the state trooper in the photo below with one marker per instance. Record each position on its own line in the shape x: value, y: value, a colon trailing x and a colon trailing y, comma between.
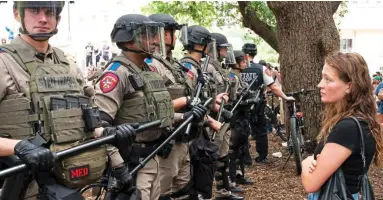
x: 175, y: 177
x: 37, y: 88
x: 258, y: 121
x: 198, y: 42
x: 217, y: 67
x: 239, y: 127
x: 129, y: 92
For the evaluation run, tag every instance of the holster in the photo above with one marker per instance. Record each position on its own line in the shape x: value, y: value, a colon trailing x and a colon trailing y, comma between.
x: 140, y: 151
x: 59, y: 192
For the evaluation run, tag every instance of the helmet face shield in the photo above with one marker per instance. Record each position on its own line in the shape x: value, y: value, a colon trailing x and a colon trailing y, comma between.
x: 230, y: 58
x: 211, y: 49
x: 183, y: 35
x: 149, y: 37
x: 53, y: 8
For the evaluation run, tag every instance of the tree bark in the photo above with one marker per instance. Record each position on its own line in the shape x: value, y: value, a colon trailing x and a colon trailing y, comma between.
x: 306, y: 33
x: 251, y: 21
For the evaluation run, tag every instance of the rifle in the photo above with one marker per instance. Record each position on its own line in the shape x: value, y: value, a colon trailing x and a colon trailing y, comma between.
x: 241, y: 97
x: 180, y: 128
x: 220, y: 113
x: 199, y: 88
x: 77, y: 149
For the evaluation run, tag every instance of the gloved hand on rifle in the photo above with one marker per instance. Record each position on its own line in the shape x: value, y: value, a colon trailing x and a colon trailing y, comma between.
x: 198, y: 111
x: 192, y: 101
x: 35, y: 157
x: 123, y: 177
x: 125, y: 134
x: 203, y: 78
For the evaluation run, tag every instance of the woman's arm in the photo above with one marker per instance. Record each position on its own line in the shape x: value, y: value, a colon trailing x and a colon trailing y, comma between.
x: 331, y: 158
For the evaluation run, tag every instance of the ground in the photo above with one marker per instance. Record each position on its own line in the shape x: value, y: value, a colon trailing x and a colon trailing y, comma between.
x: 274, y: 182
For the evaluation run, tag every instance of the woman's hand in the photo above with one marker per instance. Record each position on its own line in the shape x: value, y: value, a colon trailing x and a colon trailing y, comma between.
x: 309, y: 164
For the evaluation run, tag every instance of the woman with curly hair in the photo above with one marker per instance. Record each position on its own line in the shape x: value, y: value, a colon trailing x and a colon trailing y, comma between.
x: 345, y: 90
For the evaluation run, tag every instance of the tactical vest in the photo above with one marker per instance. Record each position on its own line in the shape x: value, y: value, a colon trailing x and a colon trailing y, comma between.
x: 254, y: 71
x: 183, y: 85
x: 230, y: 76
x: 218, y: 67
x: 208, y: 90
x: 155, y: 104
x: 63, y: 125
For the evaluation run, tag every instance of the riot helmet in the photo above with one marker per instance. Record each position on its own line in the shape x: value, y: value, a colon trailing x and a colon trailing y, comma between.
x: 240, y: 59
x: 197, y: 35
x: 170, y: 24
x: 250, y: 48
x: 224, y: 48
x: 53, y: 9
x: 145, y: 35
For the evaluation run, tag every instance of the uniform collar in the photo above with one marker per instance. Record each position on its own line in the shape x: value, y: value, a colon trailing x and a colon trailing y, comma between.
x: 20, y: 41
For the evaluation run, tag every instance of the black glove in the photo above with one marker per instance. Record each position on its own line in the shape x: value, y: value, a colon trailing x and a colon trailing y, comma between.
x: 123, y: 177
x: 198, y: 111
x: 226, y: 115
x: 125, y: 134
x: 37, y: 158
x: 245, y: 93
x: 192, y: 101
x: 203, y: 78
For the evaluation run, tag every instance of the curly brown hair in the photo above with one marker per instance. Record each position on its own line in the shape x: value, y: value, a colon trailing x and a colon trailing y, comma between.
x: 360, y: 102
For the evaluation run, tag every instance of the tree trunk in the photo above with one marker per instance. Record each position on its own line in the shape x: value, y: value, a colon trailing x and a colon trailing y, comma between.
x: 306, y: 33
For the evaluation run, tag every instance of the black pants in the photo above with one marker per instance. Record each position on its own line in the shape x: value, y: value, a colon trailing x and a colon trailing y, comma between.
x: 258, y: 131
x: 97, y: 60
x: 89, y: 61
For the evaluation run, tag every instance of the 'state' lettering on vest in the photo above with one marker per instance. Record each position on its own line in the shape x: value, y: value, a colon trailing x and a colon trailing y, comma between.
x: 77, y: 173
x: 57, y: 82
x: 248, y: 77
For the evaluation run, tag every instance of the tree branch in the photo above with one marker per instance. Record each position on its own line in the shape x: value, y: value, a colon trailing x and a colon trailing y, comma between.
x: 335, y: 6
x: 251, y: 21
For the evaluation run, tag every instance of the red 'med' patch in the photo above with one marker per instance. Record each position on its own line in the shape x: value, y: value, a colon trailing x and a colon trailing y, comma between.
x: 108, y: 82
x: 77, y: 173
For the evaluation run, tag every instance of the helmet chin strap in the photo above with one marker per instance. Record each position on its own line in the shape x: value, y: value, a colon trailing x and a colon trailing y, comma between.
x: 134, y: 50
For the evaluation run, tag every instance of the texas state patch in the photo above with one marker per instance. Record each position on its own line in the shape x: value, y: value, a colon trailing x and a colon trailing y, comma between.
x: 108, y: 82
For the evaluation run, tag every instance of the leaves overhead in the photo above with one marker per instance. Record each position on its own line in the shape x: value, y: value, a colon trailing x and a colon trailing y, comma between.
x: 206, y: 13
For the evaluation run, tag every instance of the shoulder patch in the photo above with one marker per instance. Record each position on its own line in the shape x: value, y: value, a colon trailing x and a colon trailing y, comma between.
x: 153, y: 69
x: 231, y: 76
x: 188, y: 65
x: 267, y: 71
x: 108, y: 82
x: 114, y: 66
x: 190, y: 75
x: 148, y: 60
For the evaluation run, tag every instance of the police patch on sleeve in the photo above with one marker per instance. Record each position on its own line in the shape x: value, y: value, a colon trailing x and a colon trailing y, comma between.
x: 108, y: 82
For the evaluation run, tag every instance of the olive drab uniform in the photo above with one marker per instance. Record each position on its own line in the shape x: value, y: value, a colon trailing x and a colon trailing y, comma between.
x: 40, y: 83
x: 175, y: 168
x: 193, y: 67
x: 221, y: 80
x: 129, y: 94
